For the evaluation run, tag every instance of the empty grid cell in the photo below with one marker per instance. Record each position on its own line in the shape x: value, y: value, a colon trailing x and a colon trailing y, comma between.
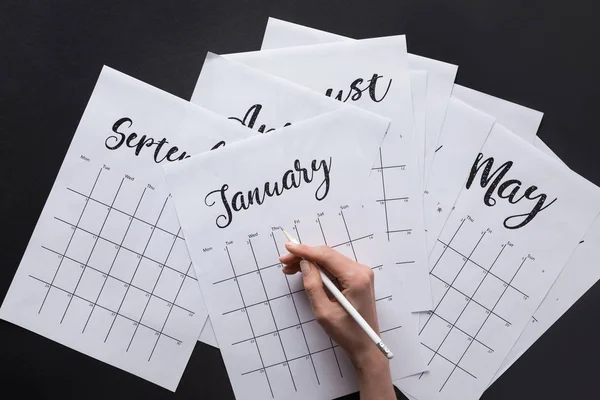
x: 138, y: 236
x: 252, y: 288
x: 160, y: 246
x: 103, y: 255
x: 270, y: 349
x: 98, y: 321
x: 331, y: 225
x: 67, y: 275
x: 115, y: 227
x: 147, y: 274
x: 472, y: 318
x: 454, y: 345
x: 134, y: 303
x: 129, y: 198
x: 76, y: 315
x: 106, y: 188
x: 112, y: 294
x: 125, y: 264
x: 448, y: 266
x: 80, y: 247
x: 261, y: 319
x: 511, y: 303
x: 55, y: 304
x: 155, y: 312
x: 152, y: 206
x: 240, y: 257
x: 284, y: 312
x: 168, y: 285
x: 142, y: 342
x: 435, y: 331
x: 90, y: 284
x: 316, y: 337
x: 451, y: 306
x: 293, y: 341
x: 263, y: 251
x: 46, y: 269
x: 326, y: 365
x: 489, y: 292
x: 274, y: 281
x: 121, y: 332
x: 243, y: 332
x: 94, y: 217
x: 469, y: 278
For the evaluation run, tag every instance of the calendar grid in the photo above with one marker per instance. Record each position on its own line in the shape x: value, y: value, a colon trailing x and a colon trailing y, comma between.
x: 272, y: 315
x: 300, y: 325
x: 120, y: 246
x: 125, y: 213
x: 69, y: 243
x: 83, y: 271
x: 250, y: 323
x: 153, y: 288
x: 469, y: 299
x: 92, y: 251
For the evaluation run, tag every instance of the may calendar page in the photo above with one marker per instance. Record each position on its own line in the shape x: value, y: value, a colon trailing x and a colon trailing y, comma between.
x: 106, y: 271
x: 305, y: 178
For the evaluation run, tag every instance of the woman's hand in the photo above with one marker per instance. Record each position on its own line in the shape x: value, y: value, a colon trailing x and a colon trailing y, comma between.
x: 356, y: 282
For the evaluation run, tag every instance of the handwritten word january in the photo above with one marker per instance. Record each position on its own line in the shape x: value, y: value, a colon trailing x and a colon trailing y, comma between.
x: 250, y: 118
x: 503, y: 192
x: 356, y: 90
x: 114, y: 142
x: 292, y: 178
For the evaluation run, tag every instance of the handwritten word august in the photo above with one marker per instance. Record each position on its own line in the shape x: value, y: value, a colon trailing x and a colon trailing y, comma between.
x: 250, y: 118
x: 292, y: 178
x: 356, y: 91
x: 114, y: 142
x: 520, y: 220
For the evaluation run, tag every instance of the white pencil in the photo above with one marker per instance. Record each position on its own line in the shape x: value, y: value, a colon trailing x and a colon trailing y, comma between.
x: 348, y: 307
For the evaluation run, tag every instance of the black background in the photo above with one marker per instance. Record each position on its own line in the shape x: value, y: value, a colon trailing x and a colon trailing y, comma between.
x: 539, y: 53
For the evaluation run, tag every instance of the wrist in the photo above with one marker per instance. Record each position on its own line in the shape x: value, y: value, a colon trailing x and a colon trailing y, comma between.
x: 370, y: 362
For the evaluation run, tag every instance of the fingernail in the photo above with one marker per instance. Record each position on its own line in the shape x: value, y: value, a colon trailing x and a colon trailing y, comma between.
x: 304, y: 267
x: 291, y: 244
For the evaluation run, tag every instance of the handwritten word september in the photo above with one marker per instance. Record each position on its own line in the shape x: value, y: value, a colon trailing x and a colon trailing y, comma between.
x: 161, y: 153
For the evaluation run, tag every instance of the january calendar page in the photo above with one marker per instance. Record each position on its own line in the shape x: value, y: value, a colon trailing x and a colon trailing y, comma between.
x: 233, y: 210
x: 106, y: 271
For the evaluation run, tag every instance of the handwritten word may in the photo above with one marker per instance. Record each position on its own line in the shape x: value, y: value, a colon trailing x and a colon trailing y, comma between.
x: 131, y: 140
x: 292, y: 178
x: 250, y: 118
x: 508, y: 189
x: 357, y: 88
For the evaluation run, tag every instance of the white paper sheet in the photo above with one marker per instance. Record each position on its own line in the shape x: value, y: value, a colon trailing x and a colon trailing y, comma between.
x: 498, y: 255
x: 464, y: 132
x: 106, y: 271
x: 520, y: 120
x: 271, y: 345
x: 396, y: 185
x: 418, y: 85
x: 441, y: 75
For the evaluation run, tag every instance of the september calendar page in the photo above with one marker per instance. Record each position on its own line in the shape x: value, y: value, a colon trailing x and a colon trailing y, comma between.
x: 107, y: 271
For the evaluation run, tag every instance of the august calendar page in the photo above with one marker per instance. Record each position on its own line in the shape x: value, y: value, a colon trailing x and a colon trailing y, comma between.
x: 107, y: 271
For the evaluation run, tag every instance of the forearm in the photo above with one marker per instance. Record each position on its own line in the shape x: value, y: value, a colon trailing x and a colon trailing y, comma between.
x: 373, y: 371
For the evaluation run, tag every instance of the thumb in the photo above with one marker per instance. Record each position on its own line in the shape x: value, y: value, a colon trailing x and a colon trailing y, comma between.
x: 313, y: 285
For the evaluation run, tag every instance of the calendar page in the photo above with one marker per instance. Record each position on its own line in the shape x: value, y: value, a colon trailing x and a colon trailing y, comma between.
x: 107, y: 271
x: 517, y: 221
x: 271, y: 344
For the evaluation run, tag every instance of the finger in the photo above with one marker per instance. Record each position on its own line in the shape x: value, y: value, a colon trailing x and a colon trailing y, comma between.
x: 289, y: 259
x: 290, y: 269
x: 313, y: 286
x: 326, y: 257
